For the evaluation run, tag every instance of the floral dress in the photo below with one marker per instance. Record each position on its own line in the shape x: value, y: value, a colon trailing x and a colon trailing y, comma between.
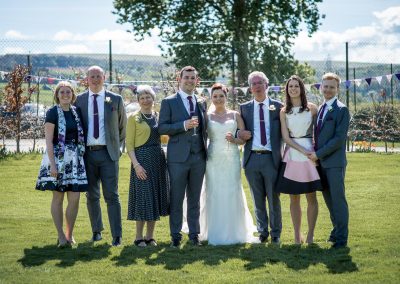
x: 68, y: 155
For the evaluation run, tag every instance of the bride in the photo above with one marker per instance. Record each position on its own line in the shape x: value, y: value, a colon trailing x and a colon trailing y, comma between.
x: 224, y: 218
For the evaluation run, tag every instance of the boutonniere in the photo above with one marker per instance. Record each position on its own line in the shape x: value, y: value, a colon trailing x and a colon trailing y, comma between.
x: 108, y: 100
x: 330, y: 108
x: 272, y: 107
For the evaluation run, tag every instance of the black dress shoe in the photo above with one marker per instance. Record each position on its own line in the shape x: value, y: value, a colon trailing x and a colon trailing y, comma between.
x: 276, y: 240
x: 331, y: 239
x: 195, y: 241
x: 96, y: 237
x: 339, y: 245
x: 116, y: 241
x: 263, y: 239
x: 175, y: 243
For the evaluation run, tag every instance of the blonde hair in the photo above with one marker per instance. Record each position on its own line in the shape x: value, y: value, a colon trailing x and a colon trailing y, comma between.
x: 64, y: 84
x: 331, y: 76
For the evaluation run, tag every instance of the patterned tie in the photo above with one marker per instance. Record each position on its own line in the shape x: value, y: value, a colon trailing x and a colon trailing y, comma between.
x: 320, y: 118
x: 95, y: 117
x: 319, y: 125
x: 191, y: 109
x: 262, y: 126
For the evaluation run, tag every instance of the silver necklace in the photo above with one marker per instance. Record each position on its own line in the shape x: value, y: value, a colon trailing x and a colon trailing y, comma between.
x: 220, y: 115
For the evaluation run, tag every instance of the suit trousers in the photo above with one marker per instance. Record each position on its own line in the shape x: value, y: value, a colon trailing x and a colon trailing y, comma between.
x: 186, y: 177
x: 261, y: 175
x: 100, y: 168
x: 335, y: 200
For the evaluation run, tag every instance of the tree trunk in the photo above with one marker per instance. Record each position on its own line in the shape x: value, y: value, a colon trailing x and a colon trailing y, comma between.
x: 242, y: 51
x: 18, y: 136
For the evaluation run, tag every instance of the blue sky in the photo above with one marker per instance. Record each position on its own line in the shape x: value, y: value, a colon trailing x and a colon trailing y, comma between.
x: 366, y: 21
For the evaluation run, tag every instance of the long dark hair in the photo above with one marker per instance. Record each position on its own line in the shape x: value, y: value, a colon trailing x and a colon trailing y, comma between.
x: 289, y: 104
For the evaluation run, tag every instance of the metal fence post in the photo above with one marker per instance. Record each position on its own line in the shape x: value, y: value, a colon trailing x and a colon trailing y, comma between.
x: 233, y: 75
x: 354, y: 88
x: 110, y: 60
x: 347, y: 89
x: 391, y: 83
x: 29, y: 75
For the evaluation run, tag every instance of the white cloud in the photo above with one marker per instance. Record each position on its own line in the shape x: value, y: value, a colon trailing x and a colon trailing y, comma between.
x: 390, y: 18
x: 13, y: 34
x: 377, y: 42
x: 10, y: 50
x: 73, y: 48
x: 98, y: 42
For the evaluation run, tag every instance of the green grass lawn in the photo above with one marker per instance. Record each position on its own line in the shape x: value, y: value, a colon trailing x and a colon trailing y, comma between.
x: 29, y: 254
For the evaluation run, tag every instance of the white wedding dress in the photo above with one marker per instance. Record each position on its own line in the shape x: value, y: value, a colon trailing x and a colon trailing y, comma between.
x: 224, y: 217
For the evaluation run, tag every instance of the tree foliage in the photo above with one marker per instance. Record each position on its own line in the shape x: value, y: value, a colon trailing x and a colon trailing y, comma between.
x: 259, y: 32
x: 14, y: 99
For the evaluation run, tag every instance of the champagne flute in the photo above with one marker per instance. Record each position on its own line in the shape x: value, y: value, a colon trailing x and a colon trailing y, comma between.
x: 195, y: 118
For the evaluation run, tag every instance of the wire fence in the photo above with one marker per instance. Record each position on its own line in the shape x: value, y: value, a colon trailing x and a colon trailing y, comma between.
x: 369, y: 75
x: 51, y: 61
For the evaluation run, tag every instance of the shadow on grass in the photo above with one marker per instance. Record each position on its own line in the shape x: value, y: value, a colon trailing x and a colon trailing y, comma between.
x: 256, y: 256
x: 68, y: 256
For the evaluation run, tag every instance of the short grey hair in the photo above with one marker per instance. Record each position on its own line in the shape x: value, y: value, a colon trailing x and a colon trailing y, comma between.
x: 145, y: 89
x: 95, y: 67
x: 259, y: 74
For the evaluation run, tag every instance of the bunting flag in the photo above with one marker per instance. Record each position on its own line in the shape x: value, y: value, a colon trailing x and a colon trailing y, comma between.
x: 204, y: 90
x: 317, y: 85
x: 275, y: 88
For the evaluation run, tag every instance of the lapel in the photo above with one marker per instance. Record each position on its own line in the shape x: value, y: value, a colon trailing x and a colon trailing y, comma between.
x: 270, y: 114
x: 329, y: 112
x: 180, y: 106
x: 85, y: 110
x: 250, y: 108
x: 107, y: 110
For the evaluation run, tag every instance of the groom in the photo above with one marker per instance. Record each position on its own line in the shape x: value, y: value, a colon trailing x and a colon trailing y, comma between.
x: 330, y: 149
x: 262, y: 155
x: 186, y: 153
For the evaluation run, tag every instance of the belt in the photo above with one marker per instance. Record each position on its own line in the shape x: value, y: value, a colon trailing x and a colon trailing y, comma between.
x: 96, y: 147
x: 261, y: 152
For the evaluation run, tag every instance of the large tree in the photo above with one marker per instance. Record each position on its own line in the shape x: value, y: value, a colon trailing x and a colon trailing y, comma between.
x: 256, y: 31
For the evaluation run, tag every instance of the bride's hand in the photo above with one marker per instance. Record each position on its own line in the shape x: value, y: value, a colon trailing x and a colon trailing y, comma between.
x: 229, y: 137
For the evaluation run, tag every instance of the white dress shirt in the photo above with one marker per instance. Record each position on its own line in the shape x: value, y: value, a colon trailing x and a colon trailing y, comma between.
x: 328, y: 103
x: 91, y: 141
x: 184, y: 97
x: 256, y: 118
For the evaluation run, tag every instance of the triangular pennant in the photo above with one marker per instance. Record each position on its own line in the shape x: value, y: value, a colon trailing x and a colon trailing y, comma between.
x: 317, y: 85
x: 358, y: 82
x: 389, y: 77
x: 275, y: 88
x: 397, y: 76
x: 348, y: 83
x: 379, y: 79
x: 368, y: 80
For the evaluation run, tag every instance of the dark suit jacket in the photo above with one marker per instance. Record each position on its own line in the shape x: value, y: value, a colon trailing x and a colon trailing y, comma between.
x: 247, y: 113
x: 114, y: 121
x: 172, y: 115
x: 331, y: 140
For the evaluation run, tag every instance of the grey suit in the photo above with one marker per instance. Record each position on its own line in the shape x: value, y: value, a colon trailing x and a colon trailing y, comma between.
x: 102, y: 165
x: 331, y: 151
x: 261, y: 170
x: 186, y: 157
